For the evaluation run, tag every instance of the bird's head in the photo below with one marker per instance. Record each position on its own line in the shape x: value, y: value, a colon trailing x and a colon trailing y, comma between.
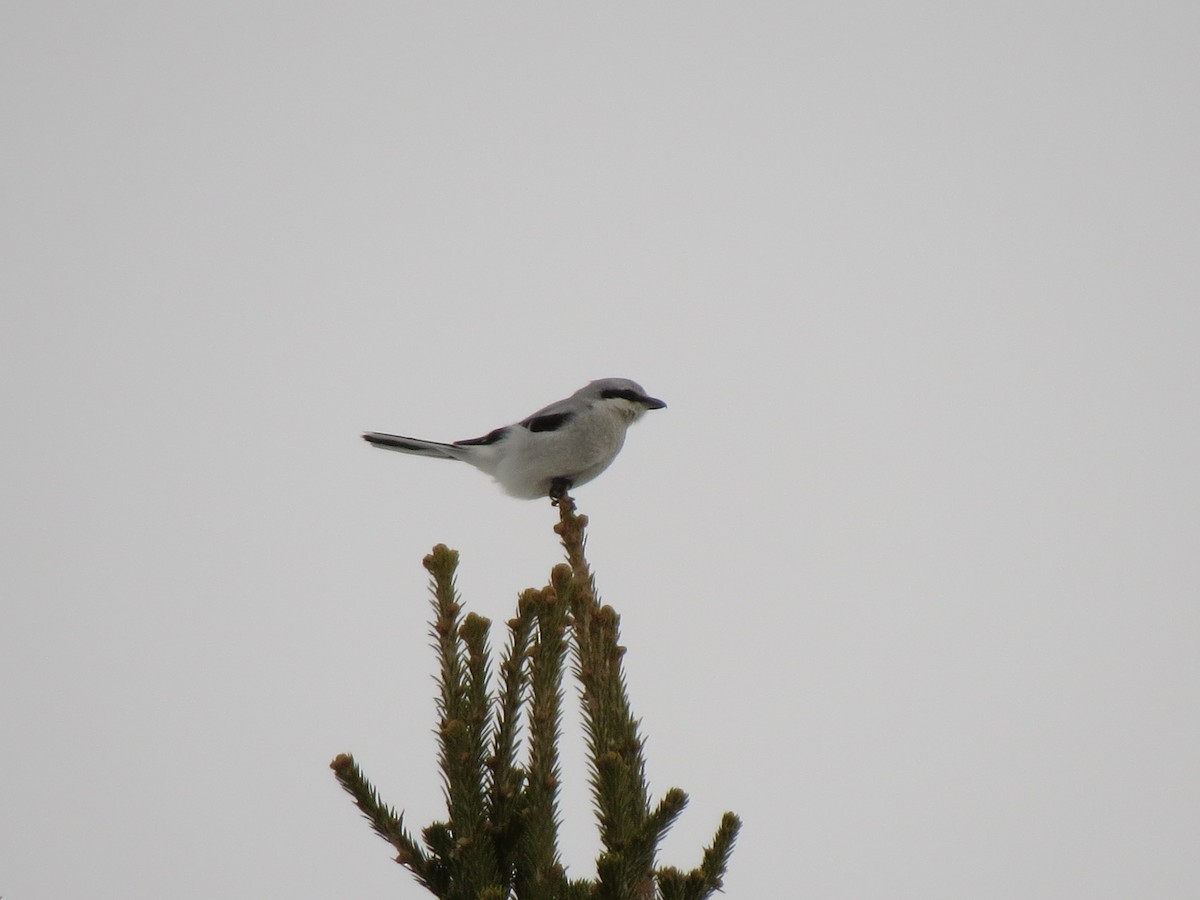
x: 622, y: 395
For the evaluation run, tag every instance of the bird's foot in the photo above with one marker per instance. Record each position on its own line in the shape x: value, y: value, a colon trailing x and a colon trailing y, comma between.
x: 558, y: 489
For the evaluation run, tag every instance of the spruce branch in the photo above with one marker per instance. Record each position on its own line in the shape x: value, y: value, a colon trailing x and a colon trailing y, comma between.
x: 707, y: 878
x: 386, y: 823
x: 659, y: 822
x: 716, y: 854
x: 463, y: 703
x: 500, y: 837
x: 542, y: 873
x: 474, y: 634
x: 617, y: 767
x: 507, y: 778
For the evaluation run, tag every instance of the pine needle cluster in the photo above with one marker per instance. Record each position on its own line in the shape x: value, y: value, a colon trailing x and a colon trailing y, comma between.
x: 500, y: 837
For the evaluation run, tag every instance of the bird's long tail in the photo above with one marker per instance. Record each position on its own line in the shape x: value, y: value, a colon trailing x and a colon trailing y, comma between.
x: 415, y: 446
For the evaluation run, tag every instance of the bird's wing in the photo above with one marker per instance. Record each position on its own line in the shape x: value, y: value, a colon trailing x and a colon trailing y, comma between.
x: 548, y: 418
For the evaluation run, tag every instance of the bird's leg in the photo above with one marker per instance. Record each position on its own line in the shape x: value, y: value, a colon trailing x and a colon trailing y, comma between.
x: 558, y: 489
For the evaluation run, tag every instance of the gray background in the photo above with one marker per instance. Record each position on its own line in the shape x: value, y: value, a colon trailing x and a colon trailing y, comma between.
x: 908, y: 569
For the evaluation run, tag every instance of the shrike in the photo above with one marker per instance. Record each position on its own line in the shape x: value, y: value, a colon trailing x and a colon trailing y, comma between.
x: 564, y: 445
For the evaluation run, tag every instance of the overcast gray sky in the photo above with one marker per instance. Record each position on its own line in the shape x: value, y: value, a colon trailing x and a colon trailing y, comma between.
x: 908, y: 569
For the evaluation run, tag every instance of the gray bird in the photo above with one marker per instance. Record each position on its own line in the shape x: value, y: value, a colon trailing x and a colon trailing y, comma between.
x: 564, y: 445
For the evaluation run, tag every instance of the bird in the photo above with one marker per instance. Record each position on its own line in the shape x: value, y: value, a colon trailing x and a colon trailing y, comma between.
x: 559, y: 447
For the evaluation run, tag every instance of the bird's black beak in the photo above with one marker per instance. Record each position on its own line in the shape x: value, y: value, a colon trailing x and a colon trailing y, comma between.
x: 653, y: 403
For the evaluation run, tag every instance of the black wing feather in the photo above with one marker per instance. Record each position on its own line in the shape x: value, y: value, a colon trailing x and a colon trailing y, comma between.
x: 550, y: 422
